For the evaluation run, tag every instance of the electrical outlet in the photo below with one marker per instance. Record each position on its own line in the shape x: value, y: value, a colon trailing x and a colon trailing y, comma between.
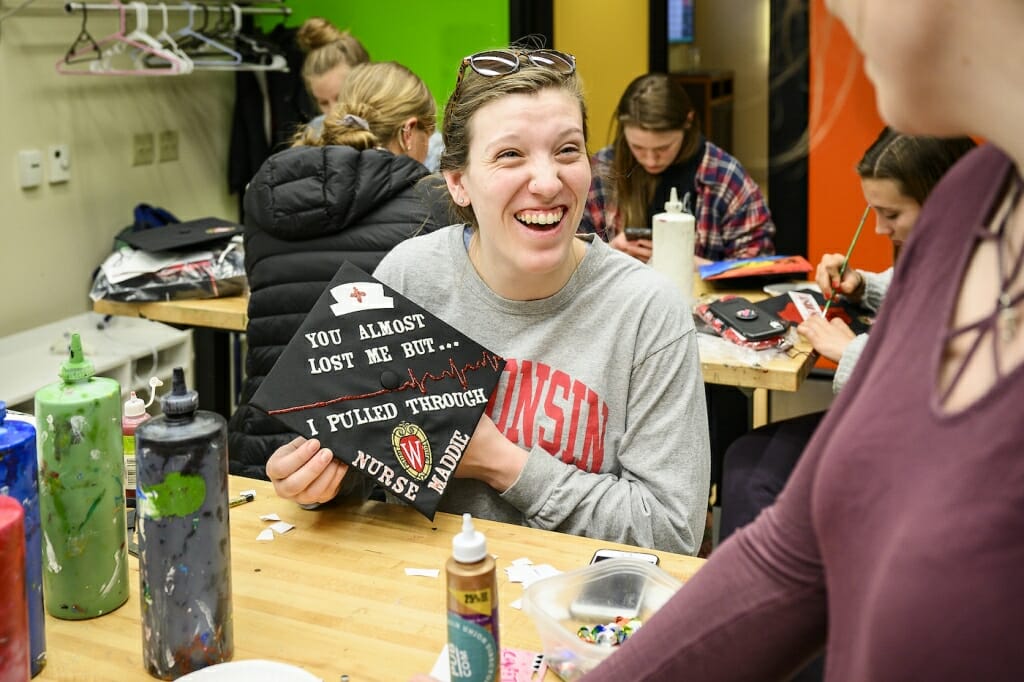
x: 168, y: 143
x: 60, y: 163
x: 143, y: 149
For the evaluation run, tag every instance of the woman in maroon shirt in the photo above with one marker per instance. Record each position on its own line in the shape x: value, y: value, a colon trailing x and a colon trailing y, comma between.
x: 897, y: 545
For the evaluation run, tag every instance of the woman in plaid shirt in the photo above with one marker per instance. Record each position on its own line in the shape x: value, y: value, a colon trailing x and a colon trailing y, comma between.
x: 658, y: 145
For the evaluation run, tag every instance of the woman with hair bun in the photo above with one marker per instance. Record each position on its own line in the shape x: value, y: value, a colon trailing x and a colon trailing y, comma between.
x: 330, y: 55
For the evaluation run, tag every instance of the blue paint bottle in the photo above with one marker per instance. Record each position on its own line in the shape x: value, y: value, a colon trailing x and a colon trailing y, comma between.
x: 19, y: 474
x: 184, y: 542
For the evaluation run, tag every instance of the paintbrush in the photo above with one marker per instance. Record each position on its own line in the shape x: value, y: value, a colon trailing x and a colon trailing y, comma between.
x: 846, y: 260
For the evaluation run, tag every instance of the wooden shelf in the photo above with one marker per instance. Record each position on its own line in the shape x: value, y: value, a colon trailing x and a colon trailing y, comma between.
x: 711, y: 92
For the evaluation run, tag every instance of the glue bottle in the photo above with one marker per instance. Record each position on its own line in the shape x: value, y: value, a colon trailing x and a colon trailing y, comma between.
x: 134, y: 414
x: 474, y: 654
x: 81, y: 491
x: 672, y: 233
x: 184, y: 539
x: 19, y: 480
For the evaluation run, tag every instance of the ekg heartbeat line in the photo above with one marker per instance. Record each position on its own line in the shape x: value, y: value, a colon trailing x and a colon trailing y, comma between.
x: 487, y: 359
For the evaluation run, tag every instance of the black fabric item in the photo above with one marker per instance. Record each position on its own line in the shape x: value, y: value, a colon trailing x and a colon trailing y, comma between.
x: 392, y: 390
x: 290, y: 107
x: 310, y: 209
x: 682, y: 176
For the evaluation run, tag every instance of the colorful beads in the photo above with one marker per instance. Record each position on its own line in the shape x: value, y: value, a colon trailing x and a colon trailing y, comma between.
x: 610, y: 634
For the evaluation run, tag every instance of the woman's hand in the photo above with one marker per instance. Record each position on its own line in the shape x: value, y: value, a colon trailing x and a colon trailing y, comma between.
x: 303, y: 472
x: 641, y: 249
x: 829, y: 338
x: 827, y: 276
x: 491, y: 458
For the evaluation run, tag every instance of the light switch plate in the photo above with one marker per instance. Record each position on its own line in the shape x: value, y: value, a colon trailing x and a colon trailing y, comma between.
x: 30, y: 168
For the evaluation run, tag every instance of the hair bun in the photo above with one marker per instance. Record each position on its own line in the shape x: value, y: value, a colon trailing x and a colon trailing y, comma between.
x: 316, y: 32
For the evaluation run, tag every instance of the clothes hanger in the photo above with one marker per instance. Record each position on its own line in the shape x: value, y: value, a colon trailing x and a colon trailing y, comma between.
x: 83, y: 45
x: 168, y: 43
x: 154, y: 58
x: 104, y: 52
x: 205, y: 52
x: 257, y: 56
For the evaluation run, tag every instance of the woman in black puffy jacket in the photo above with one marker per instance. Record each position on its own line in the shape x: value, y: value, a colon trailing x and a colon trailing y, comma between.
x: 350, y: 193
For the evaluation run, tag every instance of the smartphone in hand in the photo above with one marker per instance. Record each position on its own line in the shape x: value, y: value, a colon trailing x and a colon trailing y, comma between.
x: 634, y: 233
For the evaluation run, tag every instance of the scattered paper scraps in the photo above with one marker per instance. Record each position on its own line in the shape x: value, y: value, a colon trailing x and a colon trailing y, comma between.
x: 281, y: 527
x: 391, y: 389
x: 269, y: 517
x: 266, y: 535
x: 423, y: 572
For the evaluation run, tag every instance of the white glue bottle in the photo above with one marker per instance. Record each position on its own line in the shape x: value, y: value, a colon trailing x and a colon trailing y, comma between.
x: 672, y: 233
x: 474, y: 654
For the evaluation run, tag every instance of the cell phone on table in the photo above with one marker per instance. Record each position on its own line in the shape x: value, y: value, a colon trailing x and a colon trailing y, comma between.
x: 608, y: 598
x: 751, y: 322
x: 634, y: 233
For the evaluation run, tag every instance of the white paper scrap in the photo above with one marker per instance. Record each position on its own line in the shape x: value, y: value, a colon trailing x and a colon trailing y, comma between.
x: 281, y: 527
x: 517, y: 604
x: 522, y: 561
x: 269, y: 517
x: 423, y: 572
x: 266, y: 535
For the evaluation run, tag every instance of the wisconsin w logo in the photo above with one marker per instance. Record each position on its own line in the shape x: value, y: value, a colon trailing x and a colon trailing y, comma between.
x: 412, y: 450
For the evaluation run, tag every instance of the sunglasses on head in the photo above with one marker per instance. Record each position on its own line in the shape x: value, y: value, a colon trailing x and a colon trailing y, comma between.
x: 491, y: 63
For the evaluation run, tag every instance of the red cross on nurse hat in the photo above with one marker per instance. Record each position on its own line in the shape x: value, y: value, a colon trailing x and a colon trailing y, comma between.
x: 391, y: 389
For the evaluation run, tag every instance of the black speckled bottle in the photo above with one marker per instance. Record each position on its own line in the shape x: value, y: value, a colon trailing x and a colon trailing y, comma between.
x: 184, y: 540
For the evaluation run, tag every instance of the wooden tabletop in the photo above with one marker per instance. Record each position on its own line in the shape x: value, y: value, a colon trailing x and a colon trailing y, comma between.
x: 331, y: 596
x: 230, y: 313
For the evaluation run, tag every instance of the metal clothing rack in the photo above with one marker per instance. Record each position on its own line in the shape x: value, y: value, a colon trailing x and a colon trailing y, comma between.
x: 281, y: 9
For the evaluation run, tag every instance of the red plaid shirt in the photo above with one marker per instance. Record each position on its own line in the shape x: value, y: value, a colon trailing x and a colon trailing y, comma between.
x: 732, y: 218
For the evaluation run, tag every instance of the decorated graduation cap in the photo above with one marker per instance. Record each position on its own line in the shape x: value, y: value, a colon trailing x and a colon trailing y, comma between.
x: 393, y: 391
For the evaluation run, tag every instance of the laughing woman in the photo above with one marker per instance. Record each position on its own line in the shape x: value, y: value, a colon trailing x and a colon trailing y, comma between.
x: 612, y: 443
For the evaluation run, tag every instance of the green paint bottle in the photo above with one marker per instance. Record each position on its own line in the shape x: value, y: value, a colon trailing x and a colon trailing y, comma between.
x: 81, y: 491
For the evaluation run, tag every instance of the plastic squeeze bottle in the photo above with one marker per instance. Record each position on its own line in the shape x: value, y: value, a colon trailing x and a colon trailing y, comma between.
x: 14, y: 639
x: 134, y: 414
x: 19, y: 475
x: 474, y: 653
x: 81, y: 491
x: 672, y: 233
x: 184, y: 539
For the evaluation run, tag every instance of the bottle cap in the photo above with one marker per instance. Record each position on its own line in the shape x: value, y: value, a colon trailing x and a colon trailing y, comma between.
x: 673, y: 205
x: 76, y: 367
x: 470, y: 545
x: 181, y: 401
x: 134, y: 407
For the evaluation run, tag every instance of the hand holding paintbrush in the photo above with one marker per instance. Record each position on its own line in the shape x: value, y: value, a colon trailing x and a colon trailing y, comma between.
x: 846, y: 262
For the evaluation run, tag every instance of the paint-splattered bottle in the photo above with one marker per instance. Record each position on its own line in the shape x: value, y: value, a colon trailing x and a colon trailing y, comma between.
x: 81, y: 491
x: 184, y: 543
x: 19, y: 479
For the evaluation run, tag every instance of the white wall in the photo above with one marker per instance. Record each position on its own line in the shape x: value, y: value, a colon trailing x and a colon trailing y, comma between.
x: 54, y: 236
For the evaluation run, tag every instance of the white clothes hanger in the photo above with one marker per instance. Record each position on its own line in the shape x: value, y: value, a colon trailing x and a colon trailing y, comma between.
x: 105, y: 51
x: 157, y: 57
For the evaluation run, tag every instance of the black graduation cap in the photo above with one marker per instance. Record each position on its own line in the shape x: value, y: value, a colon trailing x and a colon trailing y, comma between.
x: 391, y: 389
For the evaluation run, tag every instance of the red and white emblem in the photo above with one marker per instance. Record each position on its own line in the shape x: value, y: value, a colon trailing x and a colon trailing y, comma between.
x: 412, y: 450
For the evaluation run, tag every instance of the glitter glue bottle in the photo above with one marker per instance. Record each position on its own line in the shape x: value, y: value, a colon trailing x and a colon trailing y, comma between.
x: 81, y: 491
x: 673, y: 234
x: 14, y: 638
x: 474, y: 654
x: 184, y: 545
x: 134, y: 413
x: 19, y: 480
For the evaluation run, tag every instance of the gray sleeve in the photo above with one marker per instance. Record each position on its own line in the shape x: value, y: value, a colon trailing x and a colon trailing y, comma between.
x: 876, y: 286
x: 659, y: 499
x: 848, y: 361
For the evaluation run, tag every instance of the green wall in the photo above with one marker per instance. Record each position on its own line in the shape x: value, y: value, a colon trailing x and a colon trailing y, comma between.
x: 431, y: 38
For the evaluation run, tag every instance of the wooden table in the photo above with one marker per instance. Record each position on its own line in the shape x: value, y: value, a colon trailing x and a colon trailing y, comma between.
x: 331, y: 596
x: 230, y: 313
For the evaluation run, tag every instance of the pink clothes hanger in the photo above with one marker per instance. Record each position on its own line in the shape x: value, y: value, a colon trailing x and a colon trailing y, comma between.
x: 104, y: 52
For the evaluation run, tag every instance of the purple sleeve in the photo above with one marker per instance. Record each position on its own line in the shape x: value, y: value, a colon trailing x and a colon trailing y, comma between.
x: 756, y: 610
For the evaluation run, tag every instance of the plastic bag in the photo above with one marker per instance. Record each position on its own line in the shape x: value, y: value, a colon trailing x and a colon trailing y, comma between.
x: 131, y: 275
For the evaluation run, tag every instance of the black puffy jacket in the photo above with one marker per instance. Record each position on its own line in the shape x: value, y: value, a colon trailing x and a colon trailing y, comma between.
x: 307, y: 210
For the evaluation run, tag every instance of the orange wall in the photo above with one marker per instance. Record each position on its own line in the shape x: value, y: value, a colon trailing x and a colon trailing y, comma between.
x: 843, y: 122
